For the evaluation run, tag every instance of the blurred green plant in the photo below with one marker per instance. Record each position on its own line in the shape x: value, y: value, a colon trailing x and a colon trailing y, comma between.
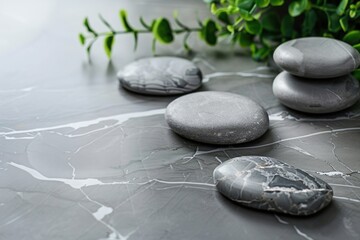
x: 259, y: 25
x: 160, y: 28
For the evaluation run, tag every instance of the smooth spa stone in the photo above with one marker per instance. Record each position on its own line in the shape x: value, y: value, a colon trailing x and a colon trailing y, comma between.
x: 317, y: 57
x: 316, y: 95
x: 268, y: 184
x: 161, y: 76
x: 217, y: 118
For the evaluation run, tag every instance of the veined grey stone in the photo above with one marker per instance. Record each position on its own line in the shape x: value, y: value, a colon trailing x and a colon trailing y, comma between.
x: 316, y: 95
x: 317, y: 57
x: 161, y: 76
x: 268, y: 184
x: 217, y: 118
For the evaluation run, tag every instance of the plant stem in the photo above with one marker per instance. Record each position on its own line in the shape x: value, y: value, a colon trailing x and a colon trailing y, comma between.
x: 176, y: 31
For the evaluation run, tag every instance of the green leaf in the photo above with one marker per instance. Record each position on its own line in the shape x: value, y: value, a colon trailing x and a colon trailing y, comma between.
x: 262, y: 3
x: 88, y: 27
x: 123, y: 18
x: 287, y: 26
x: 230, y: 28
x: 82, y: 39
x: 333, y: 22
x: 245, y: 39
x: 352, y: 37
x: 357, y: 47
x: 209, y: 31
x: 344, y: 23
x: 108, y: 44
x: 246, y: 4
x: 276, y: 2
x: 106, y: 23
x: 253, y: 27
x: 162, y: 31
x: 224, y: 17
x: 260, y: 54
x: 180, y: 24
x: 309, y: 22
x: 135, y: 40
x: 296, y: 8
x: 271, y: 22
x: 270, y: 40
x: 352, y: 13
x: 246, y: 15
x: 213, y: 8
x: 185, y: 42
x: 230, y: 10
x: 88, y: 49
x: 144, y: 24
x: 328, y: 35
x: 342, y: 7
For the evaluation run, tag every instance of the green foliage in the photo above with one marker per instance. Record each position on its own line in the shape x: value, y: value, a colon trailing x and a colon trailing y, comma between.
x: 297, y: 7
x: 82, y: 39
x: 262, y: 3
x: 259, y: 25
x: 108, y: 44
x: 253, y: 27
x: 160, y: 28
x: 124, y: 21
x: 162, y: 31
x: 208, y: 32
x: 352, y: 37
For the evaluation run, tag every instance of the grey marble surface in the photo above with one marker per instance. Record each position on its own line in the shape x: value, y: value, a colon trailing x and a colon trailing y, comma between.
x: 81, y: 158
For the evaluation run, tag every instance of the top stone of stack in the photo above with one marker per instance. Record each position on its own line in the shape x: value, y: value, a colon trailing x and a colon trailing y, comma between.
x: 317, y: 57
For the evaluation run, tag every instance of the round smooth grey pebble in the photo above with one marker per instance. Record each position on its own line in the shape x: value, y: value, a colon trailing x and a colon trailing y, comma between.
x: 161, y: 76
x: 217, y: 118
x: 267, y: 184
x: 316, y: 95
x: 317, y: 57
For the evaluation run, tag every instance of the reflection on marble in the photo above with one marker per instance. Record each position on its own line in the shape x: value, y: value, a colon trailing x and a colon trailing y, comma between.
x: 81, y: 158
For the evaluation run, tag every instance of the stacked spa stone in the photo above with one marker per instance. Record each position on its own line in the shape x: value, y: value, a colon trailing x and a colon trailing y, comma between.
x: 317, y: 75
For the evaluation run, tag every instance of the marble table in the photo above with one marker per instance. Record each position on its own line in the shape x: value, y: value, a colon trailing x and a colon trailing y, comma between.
x: 82, y: 158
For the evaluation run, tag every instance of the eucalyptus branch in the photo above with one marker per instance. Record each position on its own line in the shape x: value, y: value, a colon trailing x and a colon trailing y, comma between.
x: 160, y: 28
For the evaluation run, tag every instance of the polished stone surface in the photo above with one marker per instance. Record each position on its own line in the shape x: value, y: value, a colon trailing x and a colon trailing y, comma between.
x: 316, y: 57
x: 316, y: 95
x: 268, y: 184
x: 217, y: 118
x: 82, y: 158
x: 161, y: 76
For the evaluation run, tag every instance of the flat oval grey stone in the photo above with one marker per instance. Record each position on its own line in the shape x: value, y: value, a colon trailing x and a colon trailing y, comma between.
x: 217, y: 118
x: 317, y: 57
x: 161, y: 76
x: 316, y: 95
x: 268, y: 184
